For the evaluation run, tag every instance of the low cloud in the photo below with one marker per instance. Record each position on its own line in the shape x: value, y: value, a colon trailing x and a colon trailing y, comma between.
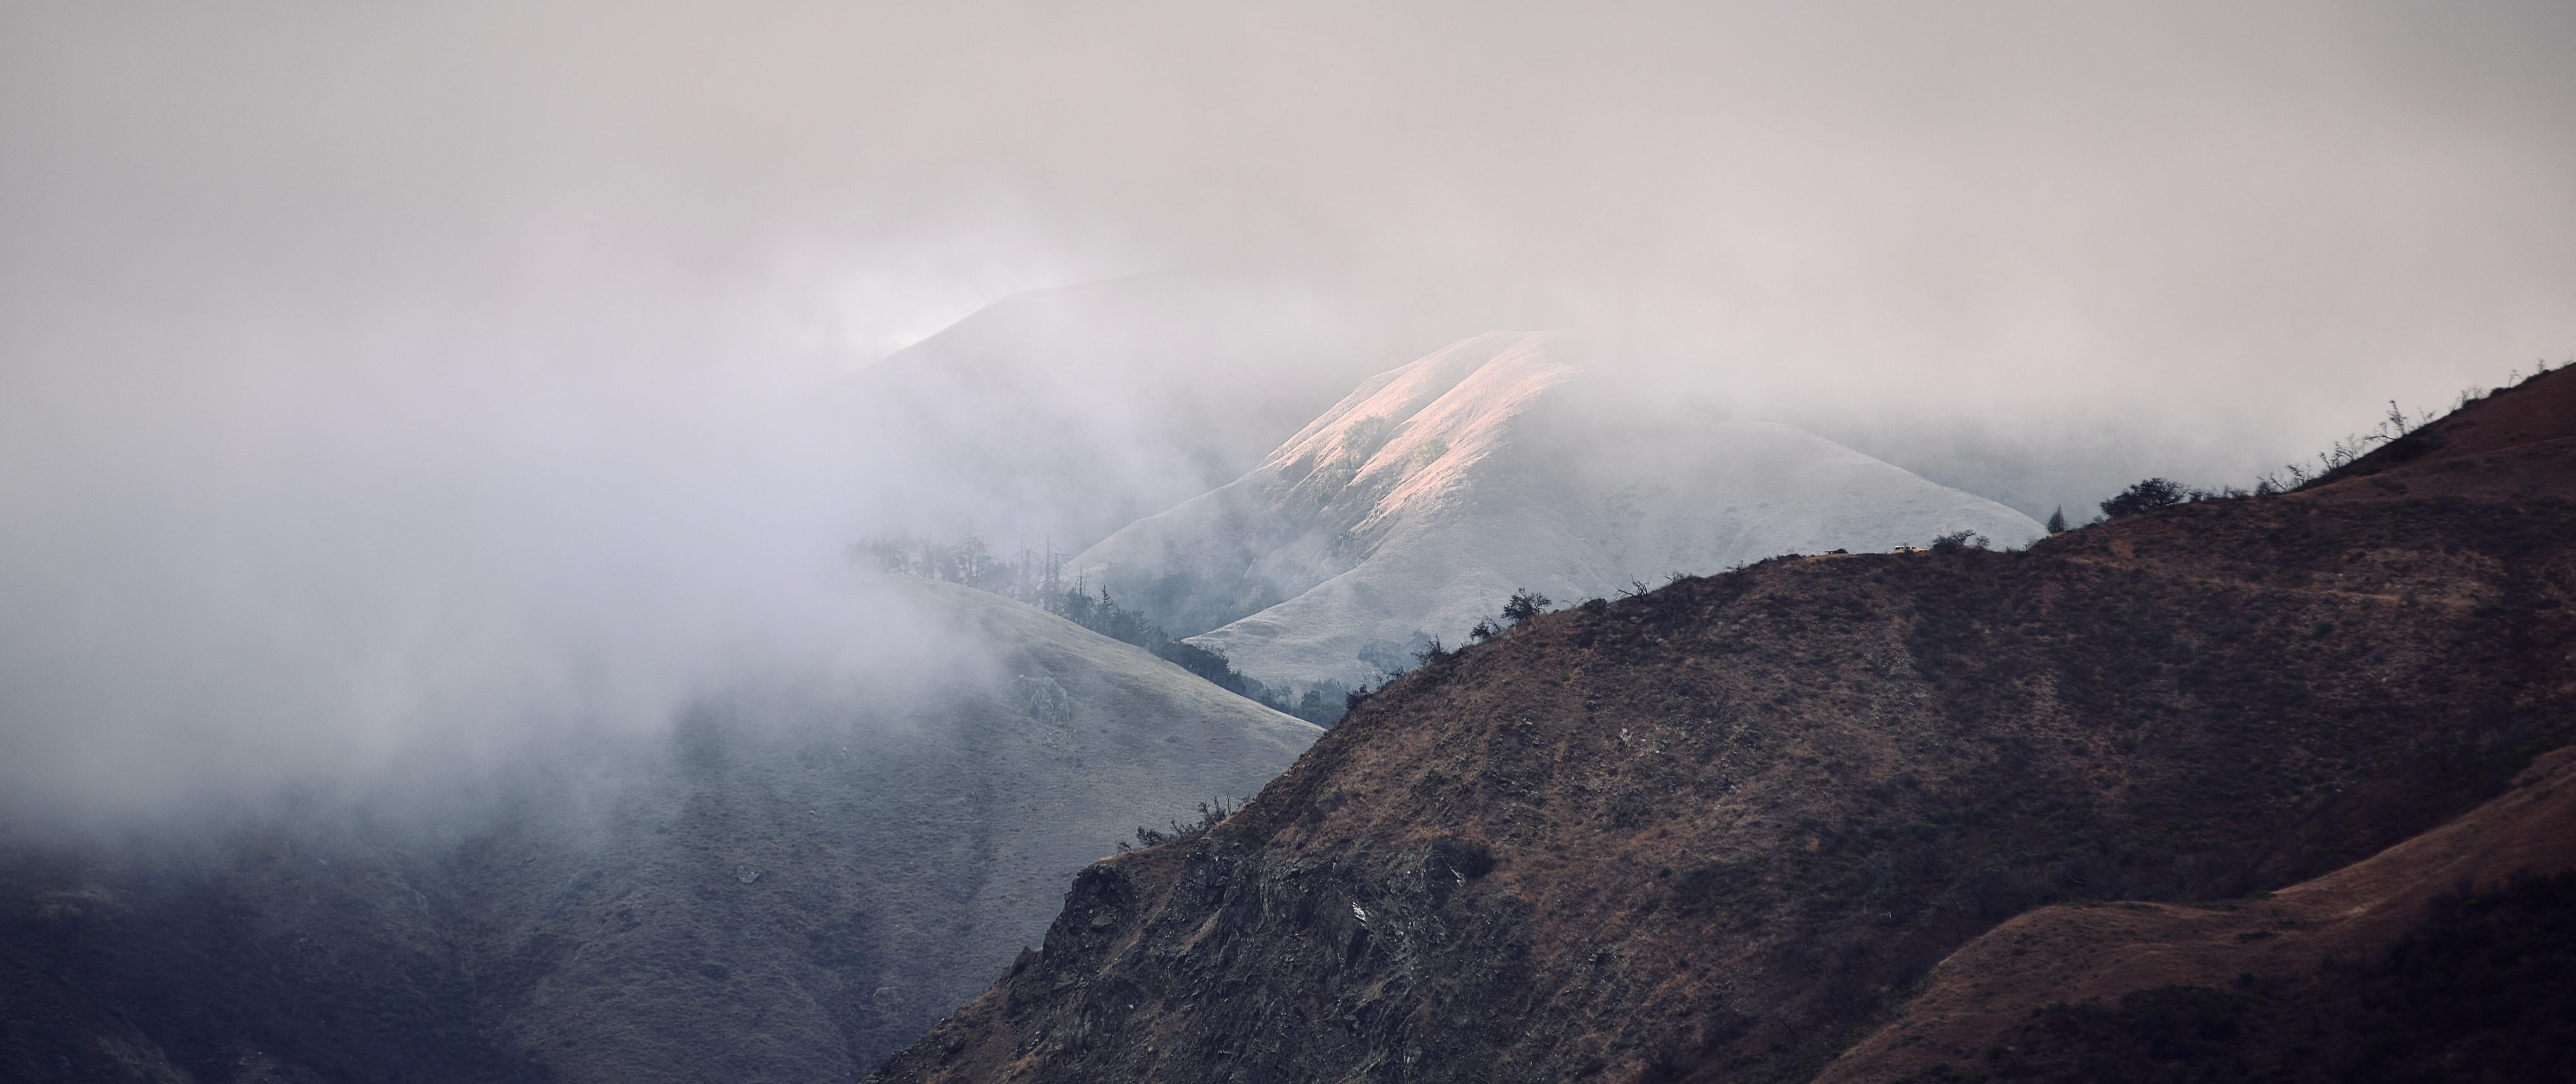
x: 389, y: 377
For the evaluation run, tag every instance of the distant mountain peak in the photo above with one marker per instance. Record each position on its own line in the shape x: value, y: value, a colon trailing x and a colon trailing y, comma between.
x: 1412, y: 508
x: 1418, y: 430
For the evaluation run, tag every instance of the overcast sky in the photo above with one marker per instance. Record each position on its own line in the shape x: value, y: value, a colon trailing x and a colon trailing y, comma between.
x: 302, y: 302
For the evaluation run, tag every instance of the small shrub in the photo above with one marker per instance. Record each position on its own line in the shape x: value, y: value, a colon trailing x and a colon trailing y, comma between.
x: 2146, y: 496
x: 1365, y: 437
x: 1352, y: 700
x: 1209, y: 814
x: 1211, y: 665
x: 1525, y: 604
x: 1332, y: 477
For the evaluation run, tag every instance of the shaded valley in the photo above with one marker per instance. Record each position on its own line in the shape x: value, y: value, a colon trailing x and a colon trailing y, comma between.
x: 790, y: 883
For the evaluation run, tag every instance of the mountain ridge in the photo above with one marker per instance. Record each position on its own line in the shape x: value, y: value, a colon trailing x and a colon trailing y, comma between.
x: 1431, y: 493
x: 1715, y: 831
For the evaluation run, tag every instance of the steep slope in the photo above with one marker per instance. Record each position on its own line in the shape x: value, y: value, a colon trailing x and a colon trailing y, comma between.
x: 1985, y: 996
x: 2513, y: 445
x: 1712, y: 832
x: 790, y: 884
x: 1427, y: 496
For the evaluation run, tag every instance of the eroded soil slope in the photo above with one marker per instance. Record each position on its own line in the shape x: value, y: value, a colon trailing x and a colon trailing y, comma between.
x: 1712, y: 832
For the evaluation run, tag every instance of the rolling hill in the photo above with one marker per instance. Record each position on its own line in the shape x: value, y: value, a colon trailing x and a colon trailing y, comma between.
x: 1419, y: 503
x: 1730, y: 828
x: 790, y: 882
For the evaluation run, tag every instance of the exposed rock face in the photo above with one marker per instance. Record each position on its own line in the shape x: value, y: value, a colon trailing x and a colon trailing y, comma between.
x: 1711, y: 832
x: 1426, y: 497
x: 791, y: 884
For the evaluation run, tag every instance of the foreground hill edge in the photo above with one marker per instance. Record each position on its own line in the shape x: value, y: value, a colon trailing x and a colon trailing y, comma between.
x: 2039, y: 995
x: 1716, y: 831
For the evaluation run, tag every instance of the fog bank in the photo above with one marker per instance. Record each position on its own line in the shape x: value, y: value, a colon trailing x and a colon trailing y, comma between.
x: 396, y: 378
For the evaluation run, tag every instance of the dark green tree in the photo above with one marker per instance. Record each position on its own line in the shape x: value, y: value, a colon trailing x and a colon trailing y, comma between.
x: 2146, y: 496
x: 1525, y: 604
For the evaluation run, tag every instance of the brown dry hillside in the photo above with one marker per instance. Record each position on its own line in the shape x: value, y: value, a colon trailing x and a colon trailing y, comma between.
x: 1714, y: 831
x: 2075, y: 960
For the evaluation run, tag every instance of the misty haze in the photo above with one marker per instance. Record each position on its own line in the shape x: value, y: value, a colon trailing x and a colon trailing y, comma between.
x: 582, y: 542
